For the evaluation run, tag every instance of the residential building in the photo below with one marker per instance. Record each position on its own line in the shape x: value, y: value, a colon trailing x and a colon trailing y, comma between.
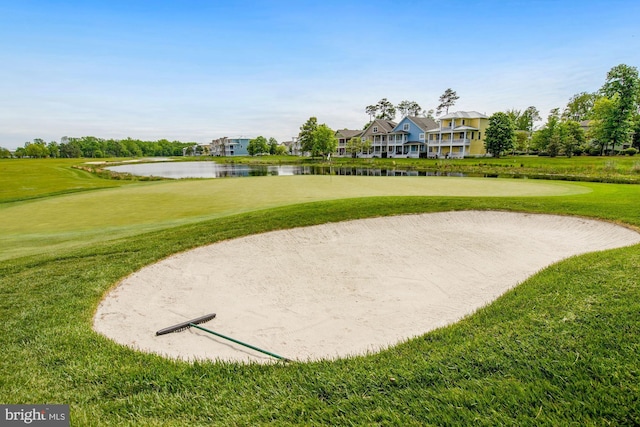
x: 377, y: 133
x: 408, y: 137
x: 293, y: 147
x: 229, y: 147
x: 343, y: 136
x: 458, y: 135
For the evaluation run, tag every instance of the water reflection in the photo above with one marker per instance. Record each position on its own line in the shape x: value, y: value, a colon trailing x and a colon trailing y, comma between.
x: 177, y: 170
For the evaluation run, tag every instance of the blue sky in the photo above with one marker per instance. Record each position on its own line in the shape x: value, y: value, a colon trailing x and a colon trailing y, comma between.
x: 195, y: 70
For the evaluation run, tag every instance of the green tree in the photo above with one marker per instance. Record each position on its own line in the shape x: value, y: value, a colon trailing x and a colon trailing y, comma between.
x: 447, y: 99
x: 554, y: 144
x: 70, y: 149
x: 605, y: 123
x: 325, y: 141
x: 558, y: 136
x: 54, y: 149
x: 575, y: 137
x: 305, y: 137
x: 5, y: 153
x: 385, y: 109
x: 36, y: 149
x: 580, y: 106
x: 133, y: 146
x: 521, y: 141
x: 636, y: 131
x: 273, y: 146
x: 499, y: 136
x: 354, y: 146
x: 514, y: 115
x: 524, y: 120
x: 622, y: 87
x: 527, y: 119
x: 409, y: 108
x: 624, y: 81
x: 568, y: 141
x: 258, y: 145
x: 372, y: 111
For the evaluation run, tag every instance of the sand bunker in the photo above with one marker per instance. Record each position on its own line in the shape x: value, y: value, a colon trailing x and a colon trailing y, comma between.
x: 344, y: 288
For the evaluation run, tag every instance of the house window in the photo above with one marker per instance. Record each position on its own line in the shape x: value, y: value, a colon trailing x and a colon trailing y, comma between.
x: 405, y: 127
x: 463, y: 122
x: 375, y: 129
x: 479, y: 135
x: 471, y: 135
x: 421, y: 137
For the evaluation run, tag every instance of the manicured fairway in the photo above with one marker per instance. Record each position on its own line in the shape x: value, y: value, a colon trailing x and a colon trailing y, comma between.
x: 33, y: 178
x: 73, y: 220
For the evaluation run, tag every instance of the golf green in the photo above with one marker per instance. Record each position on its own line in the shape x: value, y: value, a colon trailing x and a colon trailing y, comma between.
x: 73, y: 220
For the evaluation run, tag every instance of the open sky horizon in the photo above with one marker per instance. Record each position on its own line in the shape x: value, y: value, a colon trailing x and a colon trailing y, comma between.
x: 198, y: 70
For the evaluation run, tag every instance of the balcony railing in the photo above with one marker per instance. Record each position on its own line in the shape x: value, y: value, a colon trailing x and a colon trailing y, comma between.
x: 448, y: 142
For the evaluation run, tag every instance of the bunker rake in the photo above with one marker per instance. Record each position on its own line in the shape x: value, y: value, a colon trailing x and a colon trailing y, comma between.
x: 194, y: 324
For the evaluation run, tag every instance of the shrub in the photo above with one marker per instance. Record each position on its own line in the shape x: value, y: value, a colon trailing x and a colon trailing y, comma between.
x: 630, y: 151
x: 594, y: 151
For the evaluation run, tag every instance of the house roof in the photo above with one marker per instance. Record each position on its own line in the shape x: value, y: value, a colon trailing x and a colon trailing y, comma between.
x: 348, y: 133
x: 425, y: 123
x: 464, y: 115
x: 384, y: 126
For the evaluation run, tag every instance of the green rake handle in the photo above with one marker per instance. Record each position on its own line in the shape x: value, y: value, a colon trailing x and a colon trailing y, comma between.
x: 193, y: 325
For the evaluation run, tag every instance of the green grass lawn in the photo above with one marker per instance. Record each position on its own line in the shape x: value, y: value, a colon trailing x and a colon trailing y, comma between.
x: 562, y: 348
x: 72, y: 220
x: 33, y: 178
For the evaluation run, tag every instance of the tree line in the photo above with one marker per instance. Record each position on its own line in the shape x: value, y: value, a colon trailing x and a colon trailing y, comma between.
x: 386, y: 110
x: 603, y: 122
x: 93, y: 147
x: 261, y: 145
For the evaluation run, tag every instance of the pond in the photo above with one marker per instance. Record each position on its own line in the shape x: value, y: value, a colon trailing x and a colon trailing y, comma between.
x: 178, y: 170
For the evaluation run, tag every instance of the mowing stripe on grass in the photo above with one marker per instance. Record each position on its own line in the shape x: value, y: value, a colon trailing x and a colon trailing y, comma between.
x: 74, y: 220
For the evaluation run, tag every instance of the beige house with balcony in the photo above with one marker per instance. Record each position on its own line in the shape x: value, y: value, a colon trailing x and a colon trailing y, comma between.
x: 343, y: 136
x: 460, y: 134
x: 377, y: 132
